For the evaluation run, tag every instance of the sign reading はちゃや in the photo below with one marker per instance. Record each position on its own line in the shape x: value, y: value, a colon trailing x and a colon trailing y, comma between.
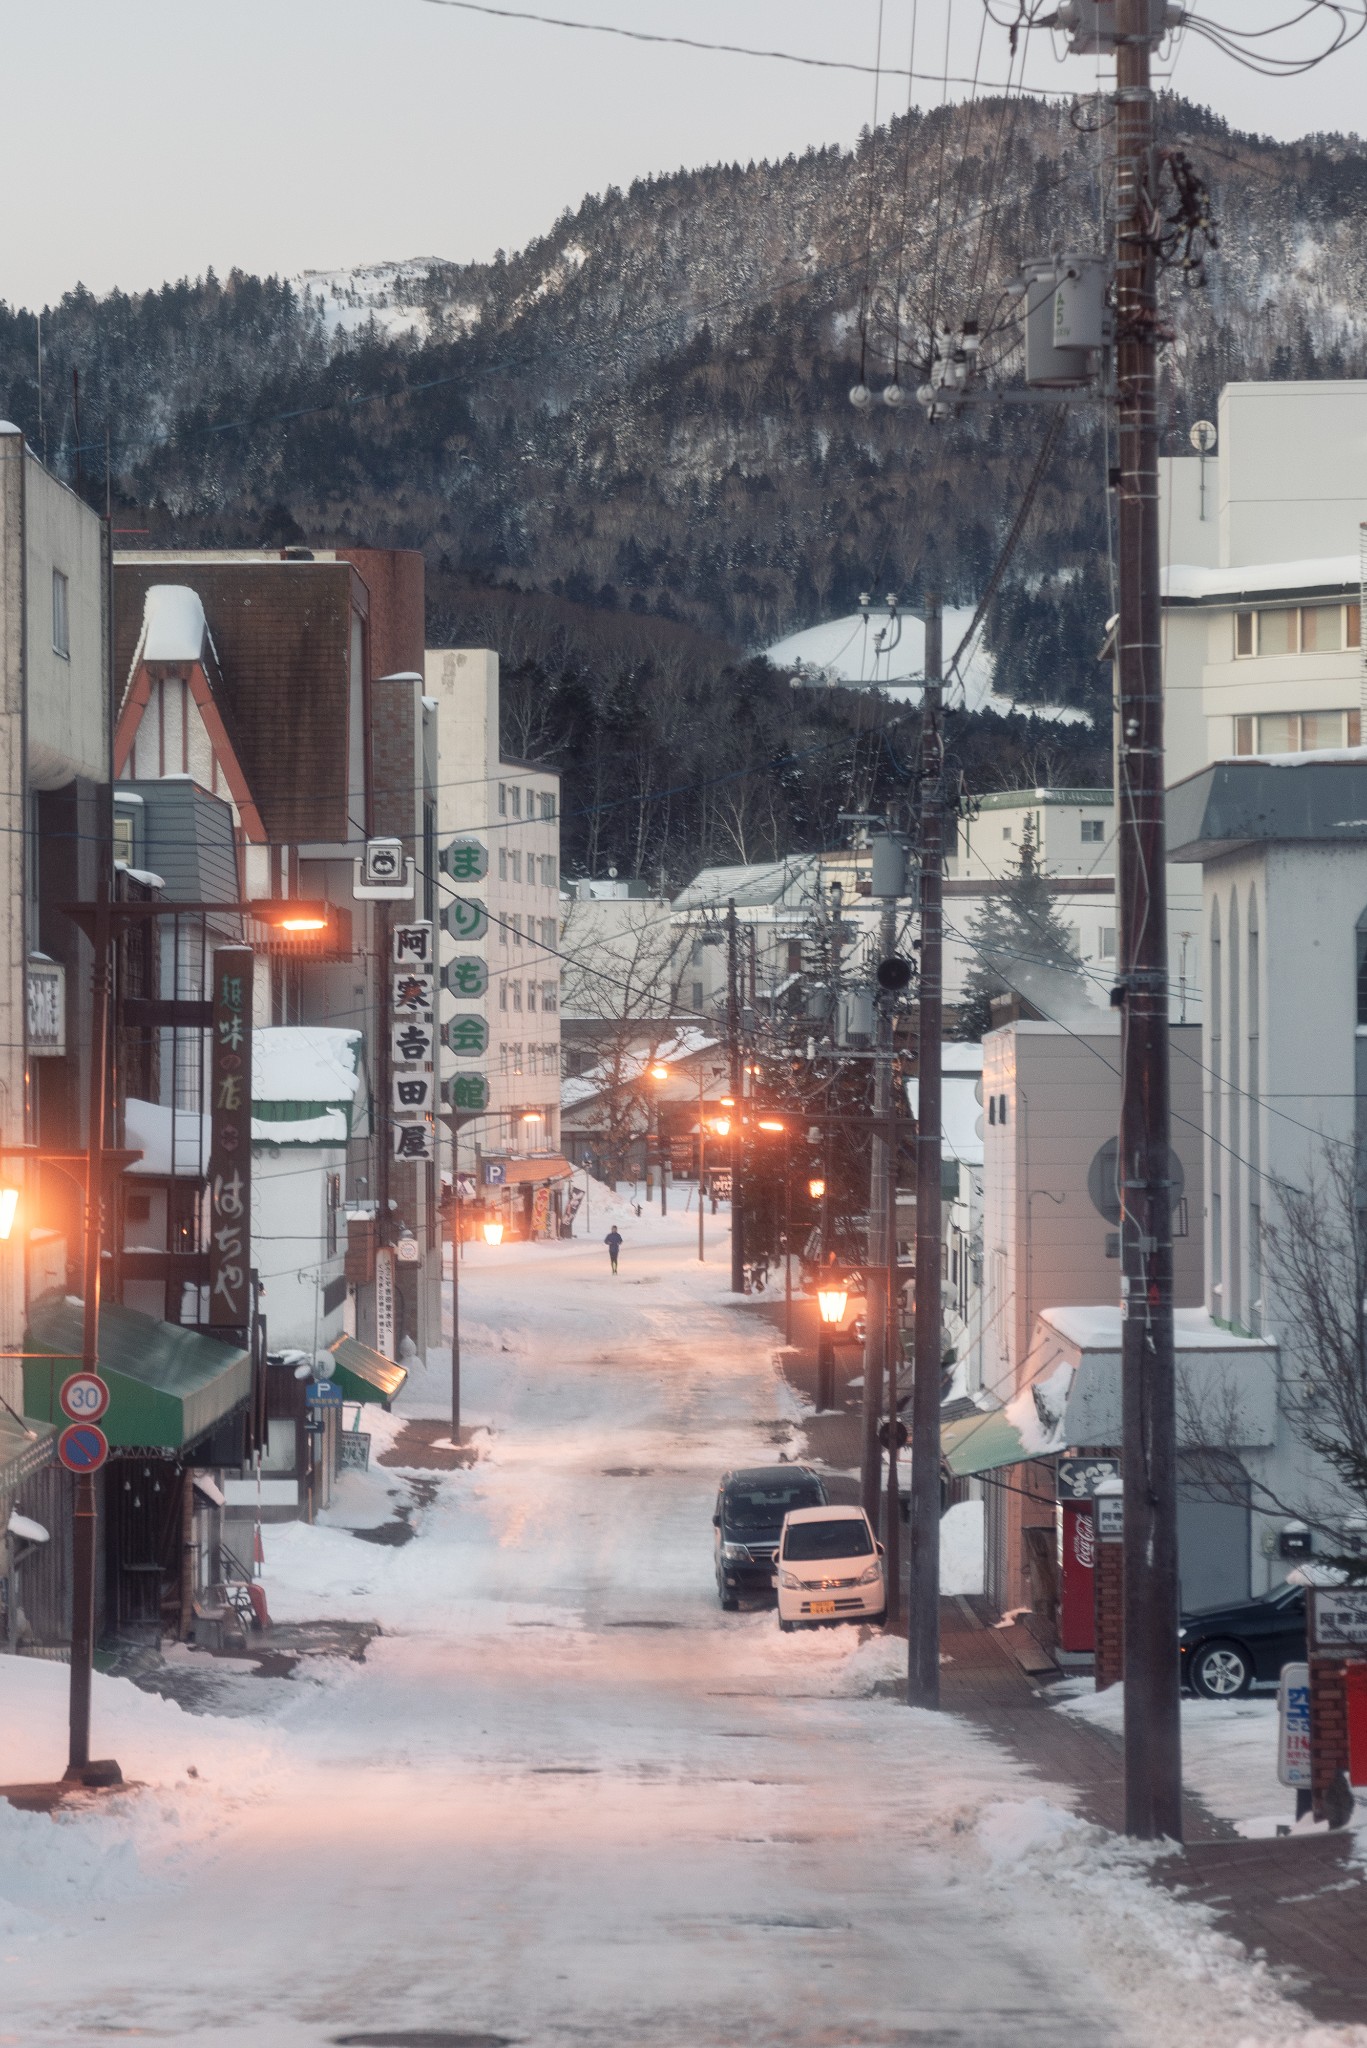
x: 230, y: 1139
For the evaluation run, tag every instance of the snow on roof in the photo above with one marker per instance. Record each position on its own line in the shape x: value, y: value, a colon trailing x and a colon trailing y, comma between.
x: 756, y: 883
x: 1038, y: 1411
x: 173, y: 623
x: 1181, y: 581
x: 304, y: 1063
x: 1097, y: 1328
x: 686, y: 1043
x: 327, y: 1129
x: 961, y: 1113
x: 152, y: 1128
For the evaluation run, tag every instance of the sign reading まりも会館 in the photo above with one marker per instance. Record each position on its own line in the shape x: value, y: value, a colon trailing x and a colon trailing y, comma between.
x: 230, y: 1139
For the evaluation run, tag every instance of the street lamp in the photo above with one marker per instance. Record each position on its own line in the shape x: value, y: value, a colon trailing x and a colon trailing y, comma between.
x: 816, y: 1188
x: 493, y: 1233
x: 778, y: 1127
x: 832, y: 1301
x: 659, y: 1072
x: 9, y: 1202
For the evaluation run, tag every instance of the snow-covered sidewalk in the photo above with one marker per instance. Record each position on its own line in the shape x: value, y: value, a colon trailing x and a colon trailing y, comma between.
x: 566, y: 1800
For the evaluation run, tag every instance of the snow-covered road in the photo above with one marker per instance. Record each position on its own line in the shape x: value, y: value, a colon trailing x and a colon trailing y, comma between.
x: 566, y: 1800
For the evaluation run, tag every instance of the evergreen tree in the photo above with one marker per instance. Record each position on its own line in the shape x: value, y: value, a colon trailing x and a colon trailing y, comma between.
x: 1017, y: 926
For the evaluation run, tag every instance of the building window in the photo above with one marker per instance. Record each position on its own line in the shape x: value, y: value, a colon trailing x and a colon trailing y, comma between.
x: 549, y: 934
x: 1093, y: 831
x: 125, y: 838
x: 503, y: 799
x: 547, y: 806
x: 697, y: 995
x: 334, y: 1204
x: 503, y: 995
x: 1297, y: 732
x: 517, y: 995
x: 1297, y: 629
x: 550, y: 996
x: 502, y: 932
x: 517, y: 1059
x: 531, y: 995
x: 1107, y: 941
x: 503, y: 863
x: 515, y: 861
x: 516, y: 923
x: 794, y: 956
x: 503, y: 1059
x: 1006, y: 831
x: 516, y: 795
x: 61, y: 616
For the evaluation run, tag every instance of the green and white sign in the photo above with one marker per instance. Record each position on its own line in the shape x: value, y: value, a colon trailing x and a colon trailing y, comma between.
x: 464, y: 860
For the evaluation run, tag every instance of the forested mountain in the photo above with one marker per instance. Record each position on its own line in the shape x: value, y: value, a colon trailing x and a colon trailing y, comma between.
x: 645, y: 411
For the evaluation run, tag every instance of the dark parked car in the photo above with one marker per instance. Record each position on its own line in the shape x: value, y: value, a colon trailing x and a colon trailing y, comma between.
x: 1225, y: 1650
x: 751, y: 1505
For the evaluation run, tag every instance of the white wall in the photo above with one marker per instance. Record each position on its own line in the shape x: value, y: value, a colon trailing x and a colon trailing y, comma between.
x: 289, y: 1224
x: 1293, y: 470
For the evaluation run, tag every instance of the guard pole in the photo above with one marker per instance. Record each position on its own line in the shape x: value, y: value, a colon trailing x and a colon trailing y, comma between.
x: 923, y: 1606
x: 1153, y: 1744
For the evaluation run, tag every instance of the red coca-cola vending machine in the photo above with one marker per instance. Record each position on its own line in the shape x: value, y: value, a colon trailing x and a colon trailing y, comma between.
x: 1078, y: 1479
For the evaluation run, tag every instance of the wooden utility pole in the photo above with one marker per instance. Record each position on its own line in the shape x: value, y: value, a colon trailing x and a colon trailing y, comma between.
x: 923, y: 1617
x: 737, y: 1096
x: 876, y: 1289
x: 1153, y: 1765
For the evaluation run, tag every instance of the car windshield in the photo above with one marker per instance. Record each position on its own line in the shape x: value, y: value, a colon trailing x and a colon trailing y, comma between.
x: 763, y: 1506
x: 845, y: 1538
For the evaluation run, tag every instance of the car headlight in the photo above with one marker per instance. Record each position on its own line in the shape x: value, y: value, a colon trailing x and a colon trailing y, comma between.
x: 790, y: 1581
x: 866, y: 1578
x: 1181, y: 1635
x: 734, y: 1553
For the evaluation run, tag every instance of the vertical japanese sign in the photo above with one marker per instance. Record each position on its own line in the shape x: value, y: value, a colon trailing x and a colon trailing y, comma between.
x: 384, y: 1302
x: 230, y: 1140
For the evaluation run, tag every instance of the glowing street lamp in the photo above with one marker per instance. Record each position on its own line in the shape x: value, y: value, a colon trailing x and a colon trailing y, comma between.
x: 9, y: 1202
x: 816, y: 1187
x: 493, y: 1233
x: 832, y: 1301
x: 770, y: 1123
x: 659, y: 1072
x: 721, y: 1125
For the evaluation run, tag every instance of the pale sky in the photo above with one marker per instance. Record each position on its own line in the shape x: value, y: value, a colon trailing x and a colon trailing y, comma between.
x: 147, y: 139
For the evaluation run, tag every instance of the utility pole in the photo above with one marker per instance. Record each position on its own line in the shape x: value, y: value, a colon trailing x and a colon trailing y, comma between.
x: 923, y: 1614
x: 455, y: 1294
x: 880, y: 1249
x: 737, y: 1096
x: 1153, y: 1741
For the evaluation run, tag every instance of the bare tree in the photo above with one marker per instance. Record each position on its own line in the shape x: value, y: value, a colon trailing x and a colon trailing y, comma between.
x: 1314, y: 1248
x: 625, y: 977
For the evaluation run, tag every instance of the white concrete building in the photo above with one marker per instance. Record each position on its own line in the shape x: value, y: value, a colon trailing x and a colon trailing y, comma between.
x: 307, y: 1092
x: 513, y: 809
x: 1262, y: 594
x: 1074, y: 838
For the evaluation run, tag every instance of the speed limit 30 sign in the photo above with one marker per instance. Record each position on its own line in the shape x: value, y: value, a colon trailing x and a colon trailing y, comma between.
x: 84, y: 1397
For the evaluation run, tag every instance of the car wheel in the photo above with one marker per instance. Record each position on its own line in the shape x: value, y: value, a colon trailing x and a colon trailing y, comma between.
x: 1222, y: 1670
x: 877, y: 1620
x: 730, y: 1601
x: 786, y: 1626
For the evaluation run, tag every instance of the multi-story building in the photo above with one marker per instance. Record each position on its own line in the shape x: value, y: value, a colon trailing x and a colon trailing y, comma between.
x: 511, y: 809
x: 1262, y: 604
x: 54, y: 757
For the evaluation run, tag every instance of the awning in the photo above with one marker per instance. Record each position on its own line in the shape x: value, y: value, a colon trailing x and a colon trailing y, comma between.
x: 365, y: 1375
x: 525, y: 1172
x: 168, y: 1385
x: 982, y: 1443
x: 25, y: 1447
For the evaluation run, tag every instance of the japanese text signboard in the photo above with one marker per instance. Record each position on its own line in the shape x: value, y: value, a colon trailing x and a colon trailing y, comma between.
x: 1338, y: 1618
x: 230, y: 1140
x: 1293, y: 1725
x: 413, y: 945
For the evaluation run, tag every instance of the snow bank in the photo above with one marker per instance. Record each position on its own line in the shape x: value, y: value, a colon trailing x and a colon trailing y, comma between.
x: 961, y: 1548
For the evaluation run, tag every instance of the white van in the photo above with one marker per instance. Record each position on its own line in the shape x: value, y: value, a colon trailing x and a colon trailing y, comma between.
x: 829, y: 1567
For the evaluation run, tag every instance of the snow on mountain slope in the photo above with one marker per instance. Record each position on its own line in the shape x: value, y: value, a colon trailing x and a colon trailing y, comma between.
x: 861, y: 650
x: 401, y: 298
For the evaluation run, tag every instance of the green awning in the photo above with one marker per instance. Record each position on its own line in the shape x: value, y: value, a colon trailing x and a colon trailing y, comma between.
x: 366, y: 1375
x: 23, y: 1450
x: 168, y: 1386
x: 982, y: 1443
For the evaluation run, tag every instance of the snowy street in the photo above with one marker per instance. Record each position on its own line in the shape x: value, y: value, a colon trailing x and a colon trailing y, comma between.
x: 565, y: 1799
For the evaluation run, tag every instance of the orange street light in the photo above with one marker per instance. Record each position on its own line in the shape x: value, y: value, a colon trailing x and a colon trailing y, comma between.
x: 771, y: 1123
x: 493, y: 1233
x: 659, y: 1072
x: 9, y: 1202
x: 721, y: 1125
x: 728, y: 1101
x: 816, y: 1188
x: 832, y: 1302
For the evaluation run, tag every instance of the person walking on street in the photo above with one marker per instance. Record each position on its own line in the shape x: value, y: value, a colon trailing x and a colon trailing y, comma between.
x: 613, y: 1241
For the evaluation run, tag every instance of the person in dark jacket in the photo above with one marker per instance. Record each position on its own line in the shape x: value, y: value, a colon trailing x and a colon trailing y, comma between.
x: 613, y: 1241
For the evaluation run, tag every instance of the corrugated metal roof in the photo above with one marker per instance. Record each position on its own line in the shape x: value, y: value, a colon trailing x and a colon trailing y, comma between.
x: 24, y: 1448
x: 366, y: 1375
x: 167, y: 1385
